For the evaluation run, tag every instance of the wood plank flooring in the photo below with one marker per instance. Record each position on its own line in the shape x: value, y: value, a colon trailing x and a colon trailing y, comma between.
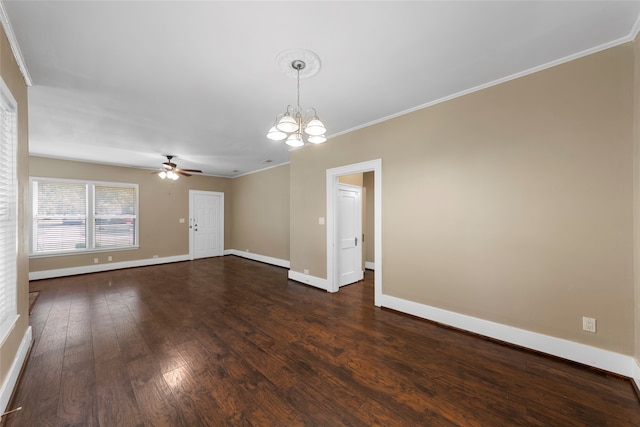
x: 228, y: 341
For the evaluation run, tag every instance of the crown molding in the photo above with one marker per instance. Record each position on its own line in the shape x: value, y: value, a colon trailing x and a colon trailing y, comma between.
x: 260, y: 170
x: 617, y: 42
x: 635, y: 30
x: 13, y: 42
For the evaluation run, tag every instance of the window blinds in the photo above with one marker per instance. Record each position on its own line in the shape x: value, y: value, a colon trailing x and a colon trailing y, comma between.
x: 76, y: 216
x: 60, y: 219
x: 115, y: 216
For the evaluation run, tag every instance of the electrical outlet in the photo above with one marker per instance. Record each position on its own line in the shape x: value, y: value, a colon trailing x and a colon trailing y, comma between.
x: 589, y: 324
x: 109, y: 258
x: 306, y: 271
x: 96, y: 260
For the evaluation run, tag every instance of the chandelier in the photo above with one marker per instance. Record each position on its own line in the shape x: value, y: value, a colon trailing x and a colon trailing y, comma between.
x: 296, y: 125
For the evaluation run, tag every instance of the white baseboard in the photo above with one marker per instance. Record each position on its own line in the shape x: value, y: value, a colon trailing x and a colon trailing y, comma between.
x: 19, y: 360
x: 369, y: 265
x: 293, y: 275
x: 257, y: 257
x: 598, y: 358
x: 94, y: 268
x: 309, y: 280
x: 636, y: 374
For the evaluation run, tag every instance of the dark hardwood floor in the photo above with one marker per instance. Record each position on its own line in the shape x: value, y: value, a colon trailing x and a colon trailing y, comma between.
x: 228, y: 341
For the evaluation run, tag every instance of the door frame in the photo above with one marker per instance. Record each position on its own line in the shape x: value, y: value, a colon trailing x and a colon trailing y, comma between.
x: 221, y: 224
x: 333, y: 174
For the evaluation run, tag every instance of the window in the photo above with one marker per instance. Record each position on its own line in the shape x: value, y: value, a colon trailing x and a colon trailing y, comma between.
x: 8, y: 211
x: 81, y: 216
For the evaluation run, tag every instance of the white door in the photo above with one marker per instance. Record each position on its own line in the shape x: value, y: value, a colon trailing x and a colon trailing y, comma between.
x: 206, y: 224
x: 349, y: 234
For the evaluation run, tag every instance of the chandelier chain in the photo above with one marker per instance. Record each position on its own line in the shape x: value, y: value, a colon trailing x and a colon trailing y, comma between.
x: 298, y: 87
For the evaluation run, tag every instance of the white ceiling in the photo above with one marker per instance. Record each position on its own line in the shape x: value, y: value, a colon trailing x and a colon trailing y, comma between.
x: 124, y: 82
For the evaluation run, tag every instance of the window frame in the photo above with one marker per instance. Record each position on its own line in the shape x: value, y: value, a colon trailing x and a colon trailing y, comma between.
x: 90, y: 217
x: 9, y: 247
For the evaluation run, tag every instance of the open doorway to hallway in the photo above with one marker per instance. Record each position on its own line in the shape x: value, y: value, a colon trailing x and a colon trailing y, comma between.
x: 333, y: 243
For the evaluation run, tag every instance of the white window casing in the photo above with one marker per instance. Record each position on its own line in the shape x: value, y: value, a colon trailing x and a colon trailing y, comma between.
x: 8, y: 211
x: 74, y: 216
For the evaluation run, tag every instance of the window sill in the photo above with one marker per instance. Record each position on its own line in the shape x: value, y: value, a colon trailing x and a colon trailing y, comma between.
x: 84, y: 251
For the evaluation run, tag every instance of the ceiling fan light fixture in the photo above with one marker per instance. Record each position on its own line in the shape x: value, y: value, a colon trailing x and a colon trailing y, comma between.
x: 171, y: 170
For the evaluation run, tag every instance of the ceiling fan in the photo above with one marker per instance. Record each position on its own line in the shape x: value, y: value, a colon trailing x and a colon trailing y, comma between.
x: 170, y: 170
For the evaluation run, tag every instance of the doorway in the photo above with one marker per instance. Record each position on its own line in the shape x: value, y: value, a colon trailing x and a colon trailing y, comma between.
x: 333, y: 253
x: 349, y: 224
x: 206, y: 224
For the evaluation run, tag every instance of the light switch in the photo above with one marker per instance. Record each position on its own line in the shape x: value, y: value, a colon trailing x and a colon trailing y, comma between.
x: 181, y: 220
x: 321, y: 220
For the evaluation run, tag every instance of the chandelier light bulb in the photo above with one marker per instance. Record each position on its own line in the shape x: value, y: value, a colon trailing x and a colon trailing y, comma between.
x: 295, y: 140
x: 317, y: 139
x: 287, y: 124
x: 275, y: 135
x: 315, y: 127
x: 162, y: 174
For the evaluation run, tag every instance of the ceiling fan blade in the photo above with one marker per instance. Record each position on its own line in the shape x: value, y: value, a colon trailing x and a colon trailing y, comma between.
x: 169, y: 166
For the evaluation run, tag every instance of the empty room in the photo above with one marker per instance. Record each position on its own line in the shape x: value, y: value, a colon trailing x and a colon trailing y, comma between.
x: 320, y: 213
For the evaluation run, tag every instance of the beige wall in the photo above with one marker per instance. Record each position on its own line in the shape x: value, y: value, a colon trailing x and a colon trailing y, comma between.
x: 355, y: 179
x: 636, y: 216
x: 260, y: 212
x: 15, y: 82
x: 161, y: 204
x: 512, y: 204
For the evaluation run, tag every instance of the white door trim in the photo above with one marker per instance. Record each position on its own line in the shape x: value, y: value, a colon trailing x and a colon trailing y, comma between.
x: 221, y: 225
x: 374, y: 166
